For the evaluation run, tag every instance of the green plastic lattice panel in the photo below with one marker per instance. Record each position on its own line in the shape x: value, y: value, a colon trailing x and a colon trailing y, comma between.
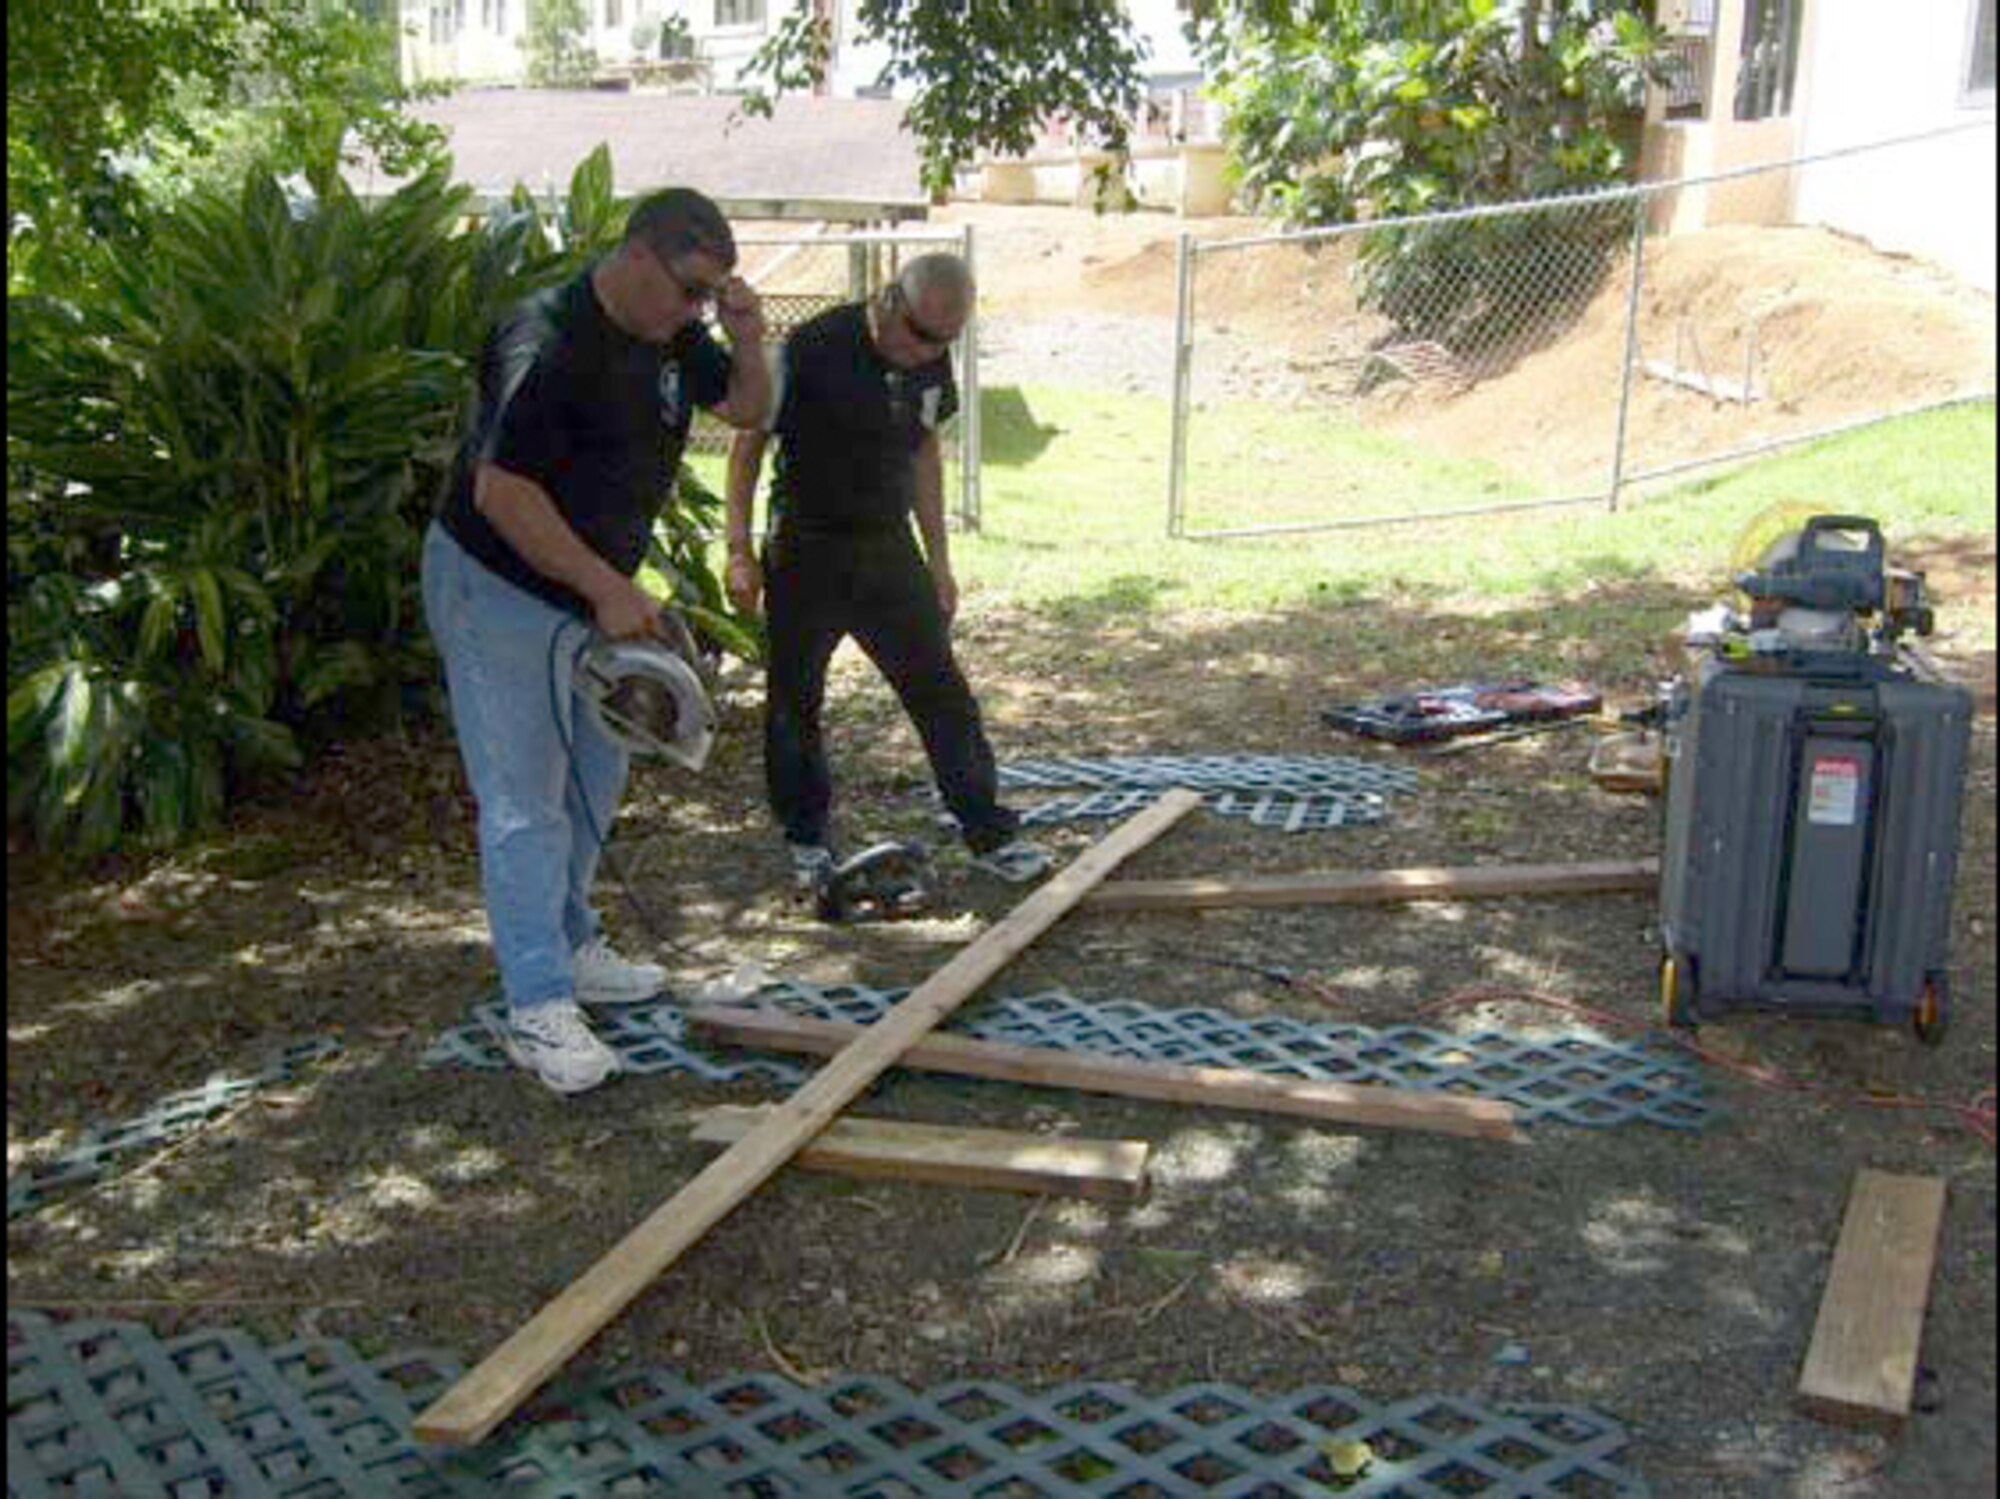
x: 169, y: 1119
x: 1294, y: 814
x: 1285, y: 775
x: 1574, y: 1079
x: 105, y: 1408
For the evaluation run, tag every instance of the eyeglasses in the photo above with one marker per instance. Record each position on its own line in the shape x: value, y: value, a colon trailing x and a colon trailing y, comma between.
x: 693, y: 292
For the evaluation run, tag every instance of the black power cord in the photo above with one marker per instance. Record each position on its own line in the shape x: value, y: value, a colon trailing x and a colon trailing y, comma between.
x: 654, y: 928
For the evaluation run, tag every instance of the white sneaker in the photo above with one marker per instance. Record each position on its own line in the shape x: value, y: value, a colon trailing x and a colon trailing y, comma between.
x: 1016, y: 862
x: 603, y: 978
x: 552, y: 1041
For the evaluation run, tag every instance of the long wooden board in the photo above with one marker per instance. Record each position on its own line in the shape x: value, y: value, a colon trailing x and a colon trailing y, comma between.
x: 1173, y: 1082
x: 481, y: 1399
x: 1377, y: 886
x: 1861, y: 1366
x: 955, y: 1155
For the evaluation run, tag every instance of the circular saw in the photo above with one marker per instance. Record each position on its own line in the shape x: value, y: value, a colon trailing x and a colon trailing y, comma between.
x: 649, y: 694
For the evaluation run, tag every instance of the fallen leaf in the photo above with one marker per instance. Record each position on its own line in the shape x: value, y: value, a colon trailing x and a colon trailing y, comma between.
x: 1348, y: 1459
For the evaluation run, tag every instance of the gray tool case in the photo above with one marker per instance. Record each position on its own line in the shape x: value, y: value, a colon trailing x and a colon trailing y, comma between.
x: 1811, y: 839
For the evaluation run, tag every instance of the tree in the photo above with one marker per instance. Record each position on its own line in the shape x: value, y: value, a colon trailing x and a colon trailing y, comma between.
x: 112, y: 101
x: 1345, y: 109
x: 986, y: 76
x: 1335, y: 107
x: 1382, y: 110
x: 556, y: 54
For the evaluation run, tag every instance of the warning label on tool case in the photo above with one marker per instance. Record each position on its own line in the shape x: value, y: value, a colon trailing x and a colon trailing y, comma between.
x: 1835, y: 794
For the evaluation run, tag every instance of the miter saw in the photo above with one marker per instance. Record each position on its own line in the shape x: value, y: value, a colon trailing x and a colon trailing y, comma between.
x: 650, y: 695
x: 1816, y: 595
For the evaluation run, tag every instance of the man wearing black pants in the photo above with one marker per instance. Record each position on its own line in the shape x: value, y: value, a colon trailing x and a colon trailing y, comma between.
x: 863, y: 391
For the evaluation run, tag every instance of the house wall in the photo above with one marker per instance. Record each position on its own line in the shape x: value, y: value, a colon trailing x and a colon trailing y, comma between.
x: 480, y: 53
x: 1877, y: 75
x: 1189, y: 180
x: 1865, y: 74
x: 1689, y: 148
x: 857, y: 64
x: 1719, y: 142
x: 727, y: 48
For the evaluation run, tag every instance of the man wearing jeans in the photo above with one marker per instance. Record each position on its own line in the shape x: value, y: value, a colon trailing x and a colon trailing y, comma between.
x: 586, y: 392
x: 864, y: 389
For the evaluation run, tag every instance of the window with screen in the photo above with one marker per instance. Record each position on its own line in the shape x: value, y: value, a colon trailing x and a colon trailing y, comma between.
x: 1768, y: 64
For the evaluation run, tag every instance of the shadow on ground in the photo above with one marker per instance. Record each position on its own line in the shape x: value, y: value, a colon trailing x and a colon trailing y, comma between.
x: 1667, y: 1277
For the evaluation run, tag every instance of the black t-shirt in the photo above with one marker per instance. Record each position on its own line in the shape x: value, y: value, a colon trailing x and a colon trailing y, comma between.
x: 849, y: 424
x: 593, y: 415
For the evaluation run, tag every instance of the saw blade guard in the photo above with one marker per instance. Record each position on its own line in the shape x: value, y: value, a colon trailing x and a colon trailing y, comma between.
x: 649, y: 698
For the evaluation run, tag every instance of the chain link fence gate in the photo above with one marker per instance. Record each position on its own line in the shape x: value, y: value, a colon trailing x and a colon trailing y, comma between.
x: 1549, y: 353
x: 800, y: 275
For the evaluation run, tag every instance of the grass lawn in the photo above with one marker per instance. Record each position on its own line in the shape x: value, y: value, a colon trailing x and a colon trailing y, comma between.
x: 1074, y: 505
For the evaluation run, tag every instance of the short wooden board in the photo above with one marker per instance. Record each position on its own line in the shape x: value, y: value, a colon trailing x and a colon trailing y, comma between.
x: 1861, y: 1367
x: 954, y: 1155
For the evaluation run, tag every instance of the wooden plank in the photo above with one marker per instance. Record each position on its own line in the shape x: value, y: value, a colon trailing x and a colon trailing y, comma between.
x: 1466, y: 743
x: 1630, y: 762
x: 1172, y: 1082
x: 953, y: 1155
x: 1716, y: 387
x: 1377, y: 886
x: 1861, y: 1366
x: 481, y: 1399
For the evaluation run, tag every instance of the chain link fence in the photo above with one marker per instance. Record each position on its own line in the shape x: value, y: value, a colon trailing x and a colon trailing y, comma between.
x: 1547, y: 353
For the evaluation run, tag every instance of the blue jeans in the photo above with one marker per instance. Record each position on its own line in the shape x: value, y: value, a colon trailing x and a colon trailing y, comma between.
x: 507, y: 659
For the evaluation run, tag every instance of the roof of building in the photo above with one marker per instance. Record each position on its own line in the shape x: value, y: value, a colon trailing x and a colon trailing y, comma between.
x: 826, y: 150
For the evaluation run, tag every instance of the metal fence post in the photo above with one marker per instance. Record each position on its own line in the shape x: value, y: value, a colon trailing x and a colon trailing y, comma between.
x: 1183, y: 359
x: 968, y: 421
x: 1641, y: 204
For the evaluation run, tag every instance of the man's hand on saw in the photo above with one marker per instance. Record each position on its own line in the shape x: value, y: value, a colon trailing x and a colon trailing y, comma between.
x: 625, y: 611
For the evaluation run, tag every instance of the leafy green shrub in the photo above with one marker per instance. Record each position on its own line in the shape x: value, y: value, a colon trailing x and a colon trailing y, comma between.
x: 236, y: 419
x: 1389, y: 109
x: 222, y: 458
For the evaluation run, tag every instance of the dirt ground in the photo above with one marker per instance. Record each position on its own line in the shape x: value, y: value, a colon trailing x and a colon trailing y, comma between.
x: 1669, y: 1278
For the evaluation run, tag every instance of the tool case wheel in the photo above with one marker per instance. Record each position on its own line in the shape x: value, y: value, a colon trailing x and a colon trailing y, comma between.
x: 1932, y: 1018
x: 1677, y: 992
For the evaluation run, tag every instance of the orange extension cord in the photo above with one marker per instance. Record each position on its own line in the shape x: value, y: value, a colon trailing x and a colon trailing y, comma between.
x: 1978, y: 1115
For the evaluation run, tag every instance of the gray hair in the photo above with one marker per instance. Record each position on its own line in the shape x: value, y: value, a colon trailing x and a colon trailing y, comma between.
x: 936, y: 272
x: 679, y: 222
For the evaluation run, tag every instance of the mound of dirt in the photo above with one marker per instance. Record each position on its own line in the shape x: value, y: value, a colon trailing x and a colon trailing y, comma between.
x: 1841, y: 331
